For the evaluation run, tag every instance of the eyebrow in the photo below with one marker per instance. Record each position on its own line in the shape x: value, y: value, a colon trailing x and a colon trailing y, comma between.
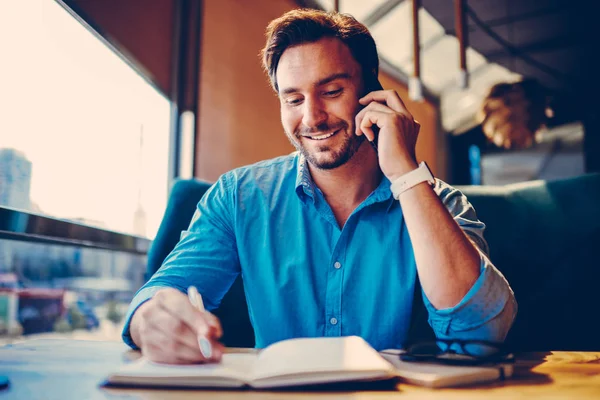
x: 324, y: 81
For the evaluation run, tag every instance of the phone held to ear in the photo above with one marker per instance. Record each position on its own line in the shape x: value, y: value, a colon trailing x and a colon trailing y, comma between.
x: 372, y: 85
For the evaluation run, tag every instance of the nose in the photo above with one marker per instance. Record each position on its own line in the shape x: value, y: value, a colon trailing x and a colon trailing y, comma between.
x: 314, y: 113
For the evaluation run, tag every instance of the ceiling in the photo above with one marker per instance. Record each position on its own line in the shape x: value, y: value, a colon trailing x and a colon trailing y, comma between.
x: 548, y: 40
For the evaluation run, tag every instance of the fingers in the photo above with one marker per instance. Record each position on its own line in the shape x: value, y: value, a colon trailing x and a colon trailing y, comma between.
x: 215, y: 327
x: 388, y: 97
x: 369, y: 119
x: 377, y: 114
x: 366, y: 127
x: 164, y: 349
x: 161, y: 347
x: 384, y: 102
x: 162, y: 321
x: 178, y: 304
x: 169, y: 328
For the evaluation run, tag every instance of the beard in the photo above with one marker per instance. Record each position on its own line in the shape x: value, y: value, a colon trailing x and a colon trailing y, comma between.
x: 326, y: 156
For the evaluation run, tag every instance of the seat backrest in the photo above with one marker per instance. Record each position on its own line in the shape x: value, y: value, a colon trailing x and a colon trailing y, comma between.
x: 233, y: 311
x: 543, y: 236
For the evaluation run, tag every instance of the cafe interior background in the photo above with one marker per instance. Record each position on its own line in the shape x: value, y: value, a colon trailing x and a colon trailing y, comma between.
x: 105, y: 104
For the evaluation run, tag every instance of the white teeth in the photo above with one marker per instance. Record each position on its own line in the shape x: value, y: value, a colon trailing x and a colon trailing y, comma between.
x: 324, y: 136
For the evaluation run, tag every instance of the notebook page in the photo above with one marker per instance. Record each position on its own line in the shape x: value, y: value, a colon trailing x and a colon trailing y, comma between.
x: 233, y: 367
x: 317, y: 356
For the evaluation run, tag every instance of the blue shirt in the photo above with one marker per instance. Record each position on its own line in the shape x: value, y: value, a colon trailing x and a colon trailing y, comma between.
x: 306, y: 277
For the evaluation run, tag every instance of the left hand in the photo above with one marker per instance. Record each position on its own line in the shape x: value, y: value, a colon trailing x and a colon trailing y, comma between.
x: 398, y: 131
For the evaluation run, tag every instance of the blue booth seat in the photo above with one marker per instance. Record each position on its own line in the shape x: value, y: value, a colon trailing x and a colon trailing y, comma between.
x: 543, y: 236
x: 233, y: 310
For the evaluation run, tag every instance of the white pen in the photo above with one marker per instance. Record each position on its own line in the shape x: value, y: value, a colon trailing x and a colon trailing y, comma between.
x: 203, y: 342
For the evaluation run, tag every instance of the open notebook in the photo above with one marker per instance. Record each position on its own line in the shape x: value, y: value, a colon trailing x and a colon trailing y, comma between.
x: 306, y: 361
x: 293, y: 362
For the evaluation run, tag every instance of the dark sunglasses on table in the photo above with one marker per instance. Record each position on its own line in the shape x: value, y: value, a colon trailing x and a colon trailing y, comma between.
x: 457, y: 352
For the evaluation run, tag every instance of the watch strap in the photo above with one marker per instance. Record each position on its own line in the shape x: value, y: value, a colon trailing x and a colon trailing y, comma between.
x: 411, y: 179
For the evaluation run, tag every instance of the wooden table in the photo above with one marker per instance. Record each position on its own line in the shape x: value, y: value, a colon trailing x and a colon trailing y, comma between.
x: 74, y: 369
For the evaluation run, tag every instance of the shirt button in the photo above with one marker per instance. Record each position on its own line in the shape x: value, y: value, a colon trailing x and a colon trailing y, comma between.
x: 337, y: 265
x: 333, y: 321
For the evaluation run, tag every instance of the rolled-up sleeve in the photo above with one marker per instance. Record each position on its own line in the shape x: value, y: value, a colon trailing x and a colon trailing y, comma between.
x: 206, y: 255
x: 489, y: 308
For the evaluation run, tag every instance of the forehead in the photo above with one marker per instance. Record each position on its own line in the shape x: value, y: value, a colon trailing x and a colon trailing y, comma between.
x: 307, y: 63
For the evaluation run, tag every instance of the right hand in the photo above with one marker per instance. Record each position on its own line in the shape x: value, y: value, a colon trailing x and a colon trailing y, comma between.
x: 166, y: 329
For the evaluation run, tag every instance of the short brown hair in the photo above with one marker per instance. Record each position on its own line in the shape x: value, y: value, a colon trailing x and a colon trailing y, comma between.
x: 308, y: 25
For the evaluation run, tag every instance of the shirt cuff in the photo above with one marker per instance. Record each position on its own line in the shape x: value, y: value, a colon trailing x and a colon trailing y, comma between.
x: 140, y: 298
x: 485, y: 300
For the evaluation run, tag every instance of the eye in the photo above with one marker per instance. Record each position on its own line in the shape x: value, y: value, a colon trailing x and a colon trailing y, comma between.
x: 293, y: 101
x: 333, y: 93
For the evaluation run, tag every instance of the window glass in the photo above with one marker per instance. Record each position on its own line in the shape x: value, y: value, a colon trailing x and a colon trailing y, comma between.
x: 82, y: 135
x: 52, y: 291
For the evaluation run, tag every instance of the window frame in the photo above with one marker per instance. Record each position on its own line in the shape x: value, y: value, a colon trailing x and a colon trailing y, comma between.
x: 21, y: 225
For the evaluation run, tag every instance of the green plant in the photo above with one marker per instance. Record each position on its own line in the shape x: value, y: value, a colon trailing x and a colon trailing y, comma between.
x: 62, y: 326
x: 77, y: 318
x: 112, y: 313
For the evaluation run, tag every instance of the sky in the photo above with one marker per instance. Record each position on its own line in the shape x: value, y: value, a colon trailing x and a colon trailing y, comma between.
x: 76, y: 110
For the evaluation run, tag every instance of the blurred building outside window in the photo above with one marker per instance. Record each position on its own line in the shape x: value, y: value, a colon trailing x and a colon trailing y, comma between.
x: 56, y: 291
x: 83, y: 137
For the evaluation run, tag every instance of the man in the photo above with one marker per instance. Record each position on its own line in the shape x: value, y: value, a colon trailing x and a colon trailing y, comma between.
x: 325, y: 243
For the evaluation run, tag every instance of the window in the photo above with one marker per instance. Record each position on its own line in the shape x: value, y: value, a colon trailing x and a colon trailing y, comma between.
x: 82, y: 135
x: 64, y: 291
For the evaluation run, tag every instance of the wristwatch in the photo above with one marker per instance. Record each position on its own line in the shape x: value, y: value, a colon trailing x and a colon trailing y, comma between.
x: 412, y: 178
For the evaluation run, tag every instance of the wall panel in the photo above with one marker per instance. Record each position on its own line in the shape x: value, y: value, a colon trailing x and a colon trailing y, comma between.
x: 238, y: 118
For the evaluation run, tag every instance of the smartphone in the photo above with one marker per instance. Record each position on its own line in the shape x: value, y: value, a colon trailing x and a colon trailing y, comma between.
x: 458, y: 359
x: 372, y: 84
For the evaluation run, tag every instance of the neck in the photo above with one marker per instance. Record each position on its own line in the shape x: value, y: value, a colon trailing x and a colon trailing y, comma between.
x: 351, y: 183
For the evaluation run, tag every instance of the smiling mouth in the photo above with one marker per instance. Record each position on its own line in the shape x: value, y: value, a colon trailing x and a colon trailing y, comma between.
x: 323, y: 136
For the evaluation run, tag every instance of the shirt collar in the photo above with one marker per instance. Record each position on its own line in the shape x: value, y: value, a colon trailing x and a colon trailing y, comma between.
x: 305, y: 186
x: 304, y: 183
x: 383, y: 193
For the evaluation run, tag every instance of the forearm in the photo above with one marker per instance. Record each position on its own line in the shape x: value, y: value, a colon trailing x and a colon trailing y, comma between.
x: 448, y: 263
x: 486, y: 312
